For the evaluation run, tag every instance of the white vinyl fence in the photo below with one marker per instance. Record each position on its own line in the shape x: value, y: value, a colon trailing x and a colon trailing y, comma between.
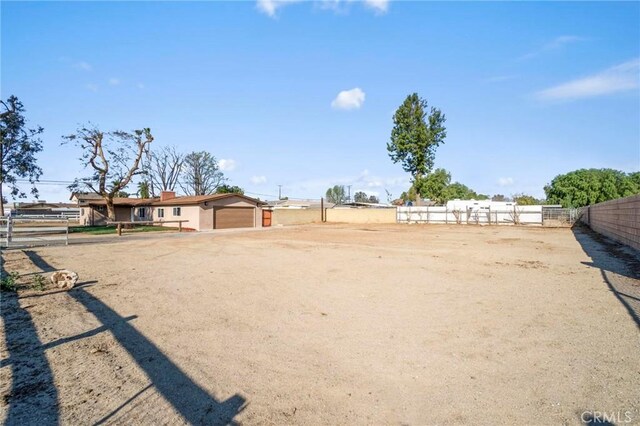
x: 23, y: 232
x: 516, y: 215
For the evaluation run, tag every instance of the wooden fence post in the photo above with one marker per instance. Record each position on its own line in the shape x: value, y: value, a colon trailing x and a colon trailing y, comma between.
x: 119, y: 229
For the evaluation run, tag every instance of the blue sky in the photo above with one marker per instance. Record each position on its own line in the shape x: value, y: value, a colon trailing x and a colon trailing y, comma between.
x: 530, y: 90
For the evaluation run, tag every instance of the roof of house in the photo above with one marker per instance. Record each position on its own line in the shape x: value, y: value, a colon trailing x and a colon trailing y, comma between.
x: 118, y: 201
x: 197, y: 199
x: 177, y: 201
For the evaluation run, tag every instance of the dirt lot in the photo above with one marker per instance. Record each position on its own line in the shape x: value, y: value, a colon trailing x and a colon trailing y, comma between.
x: 326, y: 324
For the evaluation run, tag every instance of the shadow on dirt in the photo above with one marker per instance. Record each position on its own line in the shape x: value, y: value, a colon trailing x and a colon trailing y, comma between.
x: 34, y: 391
x: 618, y: 264
x: 32, y: 386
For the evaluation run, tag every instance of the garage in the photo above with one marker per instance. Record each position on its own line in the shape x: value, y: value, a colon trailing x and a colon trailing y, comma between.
x: 233, y: 217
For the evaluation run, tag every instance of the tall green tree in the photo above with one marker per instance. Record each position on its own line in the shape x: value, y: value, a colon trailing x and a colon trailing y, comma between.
x: 114, y: 159
x: 18, y: 148
x: 336, y: 194
x: 590, y: 186
x: 416, y: 134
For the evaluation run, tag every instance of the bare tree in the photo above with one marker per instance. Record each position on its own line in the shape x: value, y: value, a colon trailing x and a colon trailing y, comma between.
x: 201, y: 174
x: 114, y: 157
x: 163, y: 168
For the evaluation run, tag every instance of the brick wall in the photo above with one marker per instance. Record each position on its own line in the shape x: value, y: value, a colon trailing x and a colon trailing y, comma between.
x: 617, y: 219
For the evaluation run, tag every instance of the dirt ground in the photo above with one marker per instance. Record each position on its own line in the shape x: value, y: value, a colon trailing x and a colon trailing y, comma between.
x: 326, y: 324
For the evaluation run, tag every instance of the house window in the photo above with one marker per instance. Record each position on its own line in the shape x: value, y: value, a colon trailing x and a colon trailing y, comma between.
x: 142, y: 212
x: 177, y: 211
x: 81, y: 212
x: 160, y: 212
x: 100, y: 209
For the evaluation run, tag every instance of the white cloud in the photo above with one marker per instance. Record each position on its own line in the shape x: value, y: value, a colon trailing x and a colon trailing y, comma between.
x: 555, y: 44
x: 379, y: 6
x: 270, y: 7
x: 505, y: 181
x: 84, y: 66
x: 349, y: 99
x: 92, y: 87
x: 114, y: 81
x: 258, y: 180
x: 620, y: 78
x: 227, y: 165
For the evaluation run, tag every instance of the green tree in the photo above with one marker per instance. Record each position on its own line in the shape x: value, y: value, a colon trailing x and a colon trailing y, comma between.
x: 229, y: 189
x: 373, y: 199
x: 361, y: 197
x: 143, y: 189
x: 336, y: 194
x: 590, y: 186
x: 416, y: 135
x: 499, y: 197
x: 114, y: 158
x: 457, y: 190
x: 18, y: 149
x: 433, y: 186
x: 524, y: 199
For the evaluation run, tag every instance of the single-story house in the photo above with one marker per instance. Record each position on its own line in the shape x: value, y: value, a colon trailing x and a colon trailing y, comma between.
x: 216, y: 211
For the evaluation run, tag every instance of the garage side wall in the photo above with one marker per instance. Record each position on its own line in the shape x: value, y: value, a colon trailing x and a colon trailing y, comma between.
x: 617, y: 219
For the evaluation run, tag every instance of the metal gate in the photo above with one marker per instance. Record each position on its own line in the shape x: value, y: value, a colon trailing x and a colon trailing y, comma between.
x: 23, y: 232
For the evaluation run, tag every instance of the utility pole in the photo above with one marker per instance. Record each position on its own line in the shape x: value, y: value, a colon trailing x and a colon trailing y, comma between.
x: 349, y: 198
x: 279, y: 192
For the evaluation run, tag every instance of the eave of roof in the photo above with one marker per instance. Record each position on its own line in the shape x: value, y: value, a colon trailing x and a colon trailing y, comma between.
x: 177, y: 201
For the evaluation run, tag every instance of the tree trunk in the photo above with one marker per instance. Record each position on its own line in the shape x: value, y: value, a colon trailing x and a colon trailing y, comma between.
x: 1, y: 202
x: 111, y: 210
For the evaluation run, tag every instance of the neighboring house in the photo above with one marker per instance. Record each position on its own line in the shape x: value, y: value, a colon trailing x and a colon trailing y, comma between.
x: 217, y: 211
x: 42, y: 207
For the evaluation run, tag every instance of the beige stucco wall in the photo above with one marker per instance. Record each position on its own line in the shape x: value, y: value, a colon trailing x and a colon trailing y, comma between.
x: 295, y: 216
x: 190, y: 213
x: 361, y: 215
x: 617, y: 219
x: 89, y: 216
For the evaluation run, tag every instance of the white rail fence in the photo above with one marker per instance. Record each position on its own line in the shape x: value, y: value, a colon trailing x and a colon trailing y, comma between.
x: 518, y: 215
x: 28, y: 232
